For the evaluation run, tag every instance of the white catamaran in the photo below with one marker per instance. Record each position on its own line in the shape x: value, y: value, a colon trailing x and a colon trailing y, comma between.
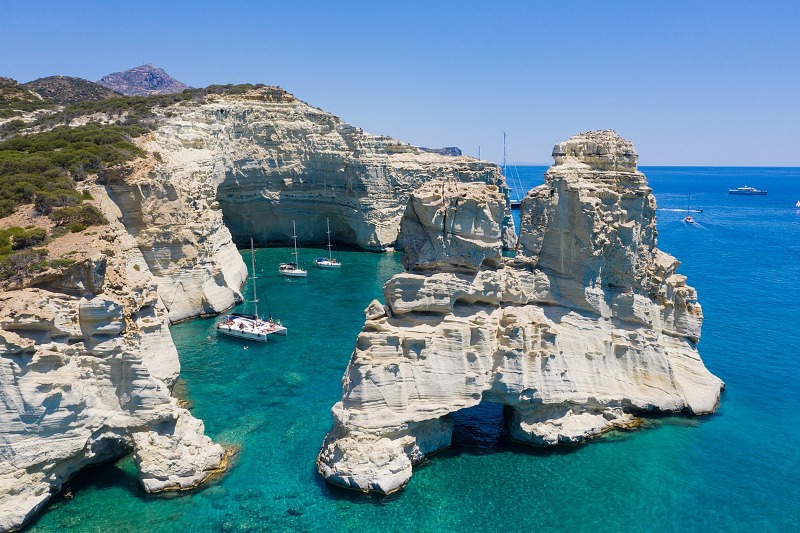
x: 293, y: 269
x: 330, y: 262
x: 251, y: 327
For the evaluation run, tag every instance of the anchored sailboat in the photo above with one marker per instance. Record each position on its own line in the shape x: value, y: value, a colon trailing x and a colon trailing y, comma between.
x: 250, y: 327
x: 293, y: 269
x: 517, y: 200
x: 330, y: 262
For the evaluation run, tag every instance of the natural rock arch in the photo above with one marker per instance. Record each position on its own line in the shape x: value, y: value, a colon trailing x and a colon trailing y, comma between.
x: 587, y: 326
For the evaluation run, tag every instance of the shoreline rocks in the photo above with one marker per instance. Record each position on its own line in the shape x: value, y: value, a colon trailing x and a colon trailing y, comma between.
x: 586, y: 328
x: 88, y: 365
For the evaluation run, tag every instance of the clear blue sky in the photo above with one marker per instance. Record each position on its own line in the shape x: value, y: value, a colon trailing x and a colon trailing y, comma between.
x: 689, y: 82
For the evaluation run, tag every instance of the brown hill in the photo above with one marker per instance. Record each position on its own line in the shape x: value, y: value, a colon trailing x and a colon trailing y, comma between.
x: 68, y: 90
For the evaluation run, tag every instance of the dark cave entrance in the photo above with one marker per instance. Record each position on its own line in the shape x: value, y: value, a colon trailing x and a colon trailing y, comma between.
x: 482, y: 428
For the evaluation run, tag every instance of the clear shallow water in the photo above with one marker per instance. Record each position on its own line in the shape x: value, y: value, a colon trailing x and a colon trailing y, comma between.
x: 737, y: 470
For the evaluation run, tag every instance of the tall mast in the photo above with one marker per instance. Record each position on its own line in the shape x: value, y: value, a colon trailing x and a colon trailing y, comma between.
x: 253, y: 268
x: 330, y: 247
x: 296, y: 257
x: 504, y: 154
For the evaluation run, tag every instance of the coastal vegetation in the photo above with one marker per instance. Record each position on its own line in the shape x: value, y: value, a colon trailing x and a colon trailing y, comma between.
x: 16, y: 99
x: 44, y: 157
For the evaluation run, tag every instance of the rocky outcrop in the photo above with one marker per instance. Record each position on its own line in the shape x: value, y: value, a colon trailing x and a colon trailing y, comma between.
x: 143, y: 80
x: 453, y: 151
x: 588, y: 327
x: 247, y: 165
x: 87, y: 364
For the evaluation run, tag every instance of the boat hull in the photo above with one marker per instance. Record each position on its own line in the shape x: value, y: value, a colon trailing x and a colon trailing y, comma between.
x: 244, y: 327
x: 294, y: 273
x: 740, y: 193
x: 241, y: 334
x: 327, y: 264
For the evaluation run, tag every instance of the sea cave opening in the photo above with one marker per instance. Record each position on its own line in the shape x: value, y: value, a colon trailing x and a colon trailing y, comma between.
x: 480, y: 429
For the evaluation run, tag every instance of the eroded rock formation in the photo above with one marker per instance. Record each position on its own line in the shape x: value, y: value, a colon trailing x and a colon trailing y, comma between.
x: 261, y: 160
x: 589, y: 326
x: 86, y: 357
x: 86, y: 369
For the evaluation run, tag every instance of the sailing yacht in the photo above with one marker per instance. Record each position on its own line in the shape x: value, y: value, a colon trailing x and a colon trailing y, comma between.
x: 250, y: 327
x: 330, y: 262
x: 689, y: 219
x: 293, y: 269
x: 517, y: 201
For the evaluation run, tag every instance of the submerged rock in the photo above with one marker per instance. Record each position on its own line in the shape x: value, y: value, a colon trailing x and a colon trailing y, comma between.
x: 588, y: 326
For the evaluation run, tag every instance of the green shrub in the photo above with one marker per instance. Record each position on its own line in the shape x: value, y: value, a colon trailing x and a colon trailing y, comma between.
x: 12, y: 127
x: 58, y: 231
x: 25, y: 238
x: 16, y: 238
x: 7, y: 206
x: 45, y: 202
x: 23, y: 263
x: 61, y: 262
x: 86, y: 214
x: 76, y: 227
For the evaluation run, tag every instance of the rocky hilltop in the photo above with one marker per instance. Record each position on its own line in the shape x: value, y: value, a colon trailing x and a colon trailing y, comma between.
x: 143, y: 80
x: 247, y: 165
x: 68, y: 90
x: 587, y: 328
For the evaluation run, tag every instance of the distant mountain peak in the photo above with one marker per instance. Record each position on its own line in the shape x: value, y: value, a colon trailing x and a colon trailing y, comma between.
x: 453, y: 151
x: 143, y: 80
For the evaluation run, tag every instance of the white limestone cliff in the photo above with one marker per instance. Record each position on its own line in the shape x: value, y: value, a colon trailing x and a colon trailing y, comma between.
x: 86, y: 369
x: 586, y: 328
x: 259, y: 161
x: 86, y: 356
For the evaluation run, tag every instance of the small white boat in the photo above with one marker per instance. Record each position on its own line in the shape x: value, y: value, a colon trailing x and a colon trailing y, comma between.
x: 797, y: 205
x: 689, y: 219
x: 250, y: 327
x: 293, y: 270
x: 330, y: 262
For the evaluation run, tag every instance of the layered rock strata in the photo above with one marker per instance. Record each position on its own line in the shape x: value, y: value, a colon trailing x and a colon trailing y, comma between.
x: 259, y: 161
x: 587, y: 327
x: 86, y: 369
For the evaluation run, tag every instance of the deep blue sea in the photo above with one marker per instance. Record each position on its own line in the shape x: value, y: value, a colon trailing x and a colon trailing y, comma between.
x: 737, y: 470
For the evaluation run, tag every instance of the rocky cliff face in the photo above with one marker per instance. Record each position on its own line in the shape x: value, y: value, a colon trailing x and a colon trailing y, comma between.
x: 87, y: 365
x: 86, y: 355
x: 247, y: 165
x: 588, y: 327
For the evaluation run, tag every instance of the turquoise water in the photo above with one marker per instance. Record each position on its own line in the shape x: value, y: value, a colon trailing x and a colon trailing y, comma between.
x: 737, y: 470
